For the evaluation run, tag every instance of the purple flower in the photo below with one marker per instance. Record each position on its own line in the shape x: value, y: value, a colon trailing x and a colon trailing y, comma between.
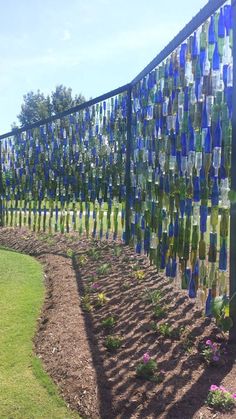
x: 209, y: 342
x: 234, y: 396
x: 216, y: 358
x: 214, y: 387
x: 95, y: 285
x: 146, y: 358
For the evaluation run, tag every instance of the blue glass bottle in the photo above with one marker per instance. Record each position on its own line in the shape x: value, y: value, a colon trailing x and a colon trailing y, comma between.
x: 216, y: 58
x: 192, y: 287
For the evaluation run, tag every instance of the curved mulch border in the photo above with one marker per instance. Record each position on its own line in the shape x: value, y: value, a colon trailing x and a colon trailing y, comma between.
x: 71, y: 343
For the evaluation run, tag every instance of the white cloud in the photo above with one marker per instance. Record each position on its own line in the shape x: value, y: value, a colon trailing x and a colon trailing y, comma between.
x: 66, y: 35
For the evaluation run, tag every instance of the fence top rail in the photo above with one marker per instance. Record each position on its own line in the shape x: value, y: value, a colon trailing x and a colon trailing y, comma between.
x: 70, y: 111
x: 192, y: 26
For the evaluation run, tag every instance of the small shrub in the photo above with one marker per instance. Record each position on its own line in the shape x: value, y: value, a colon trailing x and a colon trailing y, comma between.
x: 112, y: 343
x: 220, y: 399
x: 104, y: 269
x: 109, y: 322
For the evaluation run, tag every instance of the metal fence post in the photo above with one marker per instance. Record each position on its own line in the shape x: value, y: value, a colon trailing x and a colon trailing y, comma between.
x: 1, y: 187
x: 232, y: 281
x: 127, y: 168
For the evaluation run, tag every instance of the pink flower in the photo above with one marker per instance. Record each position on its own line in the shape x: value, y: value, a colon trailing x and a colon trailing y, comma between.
x: 216, y: 358
x: 214, y: 387
x: 146, y: 358
x: 234, y: 396
x: 222, y: 388
x: 209, y: 342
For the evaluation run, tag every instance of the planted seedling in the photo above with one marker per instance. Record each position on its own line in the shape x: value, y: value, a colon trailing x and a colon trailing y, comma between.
x: 159, y: 312
x: 219, y: 398
x: 101, y: 300
x: 152, y: 296
x: 147, y: 369
x: 112, y: 343
x: 94, y: 254
x: 104, y: 269
x: 167, y: 331
x: 220, y: 310
x: 70, y: 253
x: 117, y: 251
x: 85, y: 303
x: 139, y: 275
x: 108, y: 323
x: 125, y: 286
x: 82, y: 260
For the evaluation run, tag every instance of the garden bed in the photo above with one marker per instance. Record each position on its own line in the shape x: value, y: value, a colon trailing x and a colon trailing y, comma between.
x: 89, y: 281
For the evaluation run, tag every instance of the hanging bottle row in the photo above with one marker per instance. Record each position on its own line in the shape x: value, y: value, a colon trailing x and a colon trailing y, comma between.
x: 180, y: 168
x: 69, y: 173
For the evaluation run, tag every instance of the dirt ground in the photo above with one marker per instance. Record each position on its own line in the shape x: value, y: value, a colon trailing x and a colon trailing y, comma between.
x: 70, y: 341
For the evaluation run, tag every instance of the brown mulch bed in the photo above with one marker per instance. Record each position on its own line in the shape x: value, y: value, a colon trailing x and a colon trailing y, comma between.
x: 70, y: 342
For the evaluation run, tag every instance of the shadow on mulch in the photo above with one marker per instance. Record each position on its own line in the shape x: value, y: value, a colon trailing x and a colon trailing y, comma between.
x: 115, y: 390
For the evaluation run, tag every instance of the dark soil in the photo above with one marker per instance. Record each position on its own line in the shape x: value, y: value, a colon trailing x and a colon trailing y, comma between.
x: 70, y: 341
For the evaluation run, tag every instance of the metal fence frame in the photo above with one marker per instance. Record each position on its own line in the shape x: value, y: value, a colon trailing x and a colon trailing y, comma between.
x: 210, y: 8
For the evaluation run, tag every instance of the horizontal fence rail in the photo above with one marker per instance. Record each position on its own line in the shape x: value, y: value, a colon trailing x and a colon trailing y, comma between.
x: 149, y: 161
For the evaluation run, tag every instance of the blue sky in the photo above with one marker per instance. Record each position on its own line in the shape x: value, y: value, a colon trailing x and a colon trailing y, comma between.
x: 91, y: 46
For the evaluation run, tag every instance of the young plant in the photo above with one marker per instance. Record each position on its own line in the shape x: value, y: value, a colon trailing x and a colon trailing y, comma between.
x: 188, y: 344
x: 147, y: 369
x: 167, y: 331
x: 95, y: 286
x: 220, y: 310
x: 117, y: 251
x: 82, y: 260
x: 70, y: 253
x: 211, y: 352
x: 139, y: 275
x: 101, y: 300
x: 104, y: 269
x: 85, y: 303
x: 135, y: 267
x: 220, y: 399
x: 159, y: 312
x: 94, y: 254
x: 112, y: 343
x: 109, y: 322
x: 125, y: 286
x: 152, y: 296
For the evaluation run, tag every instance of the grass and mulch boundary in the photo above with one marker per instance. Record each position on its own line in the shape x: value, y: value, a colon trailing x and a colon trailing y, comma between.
x: 105, y: 308
x: 26, y: 391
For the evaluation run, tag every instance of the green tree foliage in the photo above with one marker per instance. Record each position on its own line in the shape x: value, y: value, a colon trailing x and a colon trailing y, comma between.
x: 37, y: 106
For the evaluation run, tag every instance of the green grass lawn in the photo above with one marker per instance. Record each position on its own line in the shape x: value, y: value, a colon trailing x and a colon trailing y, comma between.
x: 26, y: 391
